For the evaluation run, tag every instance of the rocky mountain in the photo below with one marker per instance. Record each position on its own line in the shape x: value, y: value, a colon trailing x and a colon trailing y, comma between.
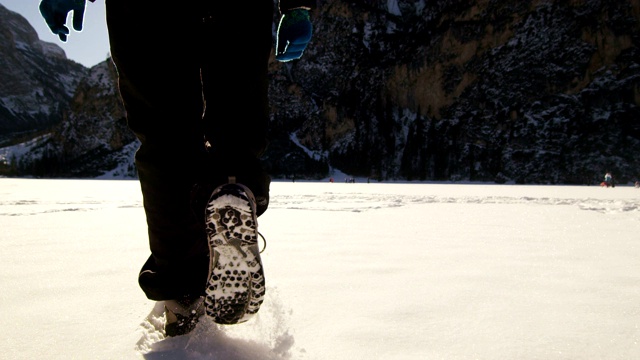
x: 526, y: 91
x: 72, y: 116
x: 38, y: 80
x: 533, y: 91
x: 91, y: 140
x: 93, y: 137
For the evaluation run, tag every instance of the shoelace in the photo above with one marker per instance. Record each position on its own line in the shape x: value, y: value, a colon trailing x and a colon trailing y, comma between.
x: 264, y: 241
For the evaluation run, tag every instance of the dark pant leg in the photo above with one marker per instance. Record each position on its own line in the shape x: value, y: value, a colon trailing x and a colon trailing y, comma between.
x: 159, y: 81
x: 234, y: 73
x: 235, y: 84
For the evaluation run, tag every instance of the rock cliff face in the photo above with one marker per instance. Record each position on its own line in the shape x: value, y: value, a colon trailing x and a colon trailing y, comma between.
x: 487, y: 90
x: 93, y: 135
x: 527, y: 91
x: 92, y: 139
x: 38, y: 80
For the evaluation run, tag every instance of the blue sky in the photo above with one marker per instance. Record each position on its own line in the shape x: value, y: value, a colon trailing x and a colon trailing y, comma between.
x: 89, y: 47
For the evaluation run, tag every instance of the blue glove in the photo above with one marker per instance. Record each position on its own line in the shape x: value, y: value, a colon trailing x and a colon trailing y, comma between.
x: 294, y: 33
x: 55, y: 14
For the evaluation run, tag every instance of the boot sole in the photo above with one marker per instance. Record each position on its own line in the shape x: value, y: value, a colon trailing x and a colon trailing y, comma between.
x: 236, y: 285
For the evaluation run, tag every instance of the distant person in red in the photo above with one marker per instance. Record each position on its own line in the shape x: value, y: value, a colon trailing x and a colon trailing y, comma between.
x: 608, y: 180
x: 193, y: 80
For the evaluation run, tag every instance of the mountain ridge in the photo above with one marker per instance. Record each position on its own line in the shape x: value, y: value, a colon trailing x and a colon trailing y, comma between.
x: 532, y: 92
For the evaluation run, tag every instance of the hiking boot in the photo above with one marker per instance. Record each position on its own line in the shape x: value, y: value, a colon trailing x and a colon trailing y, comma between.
x: 247, y: 171
x: 182, y: 315
x: 236, y: 285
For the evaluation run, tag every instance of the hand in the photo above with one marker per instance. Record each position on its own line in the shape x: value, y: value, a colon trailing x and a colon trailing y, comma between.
x: 294, y: 33
x: 55, y: 14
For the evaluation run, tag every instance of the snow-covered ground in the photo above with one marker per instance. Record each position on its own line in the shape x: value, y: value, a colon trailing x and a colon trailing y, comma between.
x: 354, y: 271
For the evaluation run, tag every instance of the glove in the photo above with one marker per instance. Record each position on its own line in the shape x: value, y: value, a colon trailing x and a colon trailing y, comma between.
x: 294, y: 33
x: 55, y: 14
